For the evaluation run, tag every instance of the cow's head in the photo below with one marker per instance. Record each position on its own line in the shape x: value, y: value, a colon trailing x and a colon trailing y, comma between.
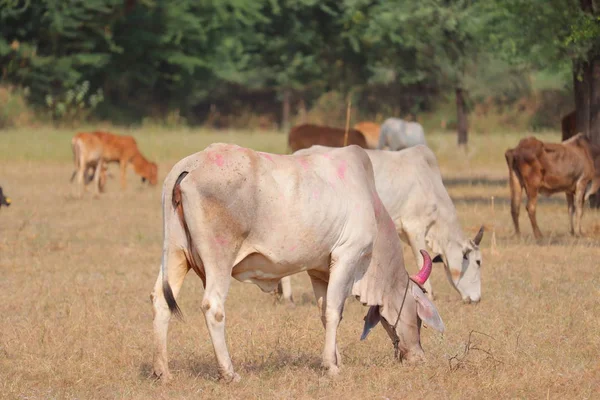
x: 414, y: 308
x: 463, y: 266
x: 4, y: 201
x: 150, y: 174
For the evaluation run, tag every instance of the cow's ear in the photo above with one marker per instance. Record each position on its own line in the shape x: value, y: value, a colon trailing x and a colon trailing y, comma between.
x: 371, y: 320
x: 426, y: 310
x: 438, y: 259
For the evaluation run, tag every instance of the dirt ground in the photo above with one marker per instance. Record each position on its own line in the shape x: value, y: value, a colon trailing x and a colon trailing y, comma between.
x: 76, y: 275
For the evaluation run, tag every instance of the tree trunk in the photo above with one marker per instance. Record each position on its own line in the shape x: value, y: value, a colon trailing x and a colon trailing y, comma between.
x: 285, y: 112
x: 594, y: 109
x: 581, y: 85
x: 461, y: 118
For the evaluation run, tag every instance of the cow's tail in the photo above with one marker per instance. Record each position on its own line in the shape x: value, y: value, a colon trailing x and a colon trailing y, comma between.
x: 178, y: 208
x: 76, y: 154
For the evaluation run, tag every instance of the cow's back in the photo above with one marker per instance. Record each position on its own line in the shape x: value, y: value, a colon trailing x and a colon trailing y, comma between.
x: 410, y: 185
x: 288, y: 208
x: 117, y: 147
x: 306, y: 135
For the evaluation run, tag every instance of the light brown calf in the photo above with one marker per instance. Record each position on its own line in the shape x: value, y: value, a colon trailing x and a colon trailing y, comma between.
x: 549, y: 168
x: 96, y: 149
x: 371, y: 132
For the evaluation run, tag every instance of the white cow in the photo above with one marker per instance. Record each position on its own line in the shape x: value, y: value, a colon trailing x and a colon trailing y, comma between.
x: 410, y: 186
x: 230, y: 211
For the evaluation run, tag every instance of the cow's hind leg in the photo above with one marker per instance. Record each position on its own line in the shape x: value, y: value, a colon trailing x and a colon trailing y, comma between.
x: 177, y: 268
x: 285, y: 290
x: 218, y: 279
x: 515, y: 199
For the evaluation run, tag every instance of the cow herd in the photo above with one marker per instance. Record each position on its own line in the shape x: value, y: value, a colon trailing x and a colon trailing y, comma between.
x: 338, y: 208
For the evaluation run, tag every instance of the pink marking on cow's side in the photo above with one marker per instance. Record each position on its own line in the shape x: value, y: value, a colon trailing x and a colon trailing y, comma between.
x: 341, y: 170
x: 377, y: 205
x: 316, y: 194
x: 294, y: 247
x: 304, y: 162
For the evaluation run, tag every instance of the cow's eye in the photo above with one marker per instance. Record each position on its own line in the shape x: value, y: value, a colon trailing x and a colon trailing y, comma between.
x: 479, y: 263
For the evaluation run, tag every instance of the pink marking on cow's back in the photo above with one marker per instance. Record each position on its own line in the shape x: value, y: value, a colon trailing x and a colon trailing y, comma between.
x: 294, y: 247
x: 303, y: 162
x: 216, y: 158
x: 341, y: 170
x: 316, y: 194
x: 266, y: 155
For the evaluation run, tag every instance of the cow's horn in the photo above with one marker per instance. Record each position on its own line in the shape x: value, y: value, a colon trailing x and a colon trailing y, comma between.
x: 425, y: 271
x: 479, y: 236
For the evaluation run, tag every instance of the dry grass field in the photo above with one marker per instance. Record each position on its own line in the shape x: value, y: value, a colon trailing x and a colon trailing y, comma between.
x: 76, y: 274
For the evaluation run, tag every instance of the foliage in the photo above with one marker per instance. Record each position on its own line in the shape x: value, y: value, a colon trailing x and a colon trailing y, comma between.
x: 71, y: 105
x: 159, y: 58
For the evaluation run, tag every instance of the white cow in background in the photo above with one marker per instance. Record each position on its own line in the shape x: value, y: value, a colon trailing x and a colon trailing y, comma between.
x: 410, y: 186
x: 233, y: 212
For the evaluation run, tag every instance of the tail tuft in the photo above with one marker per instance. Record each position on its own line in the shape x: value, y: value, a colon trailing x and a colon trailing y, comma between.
x: 168, y: 293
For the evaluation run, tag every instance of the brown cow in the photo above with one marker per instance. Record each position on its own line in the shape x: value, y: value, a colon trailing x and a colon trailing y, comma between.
x: 568, y: 125
x: 549, y: 168
x: 97, y: 148
x: 371, y: 132
x: 305, y: 135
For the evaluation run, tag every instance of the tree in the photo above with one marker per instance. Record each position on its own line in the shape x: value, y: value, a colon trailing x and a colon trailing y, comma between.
x: 543, y: 33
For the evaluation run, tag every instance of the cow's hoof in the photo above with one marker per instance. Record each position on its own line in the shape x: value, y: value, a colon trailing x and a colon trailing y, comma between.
x: 231, y: 378
x: 163, y: 376
x: 333, y: 371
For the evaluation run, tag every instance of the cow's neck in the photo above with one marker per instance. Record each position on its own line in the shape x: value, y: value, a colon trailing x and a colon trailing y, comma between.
x: 139, y: 163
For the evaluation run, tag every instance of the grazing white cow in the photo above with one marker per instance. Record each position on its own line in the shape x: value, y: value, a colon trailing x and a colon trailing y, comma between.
x: 257, y: 217
x: 410, y: 186
x: 397, y: 134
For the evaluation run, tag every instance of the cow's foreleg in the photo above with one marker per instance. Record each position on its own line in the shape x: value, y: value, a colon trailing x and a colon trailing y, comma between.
x: 345, y: 262
x: 579, y: 205
x: 177, y: 270
x: 532, y: 196
x: 320, y: 289
x: 123, y: 166
x: 97, y: 176
x: 571, y: 208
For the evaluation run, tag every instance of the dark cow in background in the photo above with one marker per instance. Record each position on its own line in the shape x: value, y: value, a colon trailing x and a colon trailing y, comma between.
x: 305, y: 135
x: 4, y: 201
x: 549, y: 168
